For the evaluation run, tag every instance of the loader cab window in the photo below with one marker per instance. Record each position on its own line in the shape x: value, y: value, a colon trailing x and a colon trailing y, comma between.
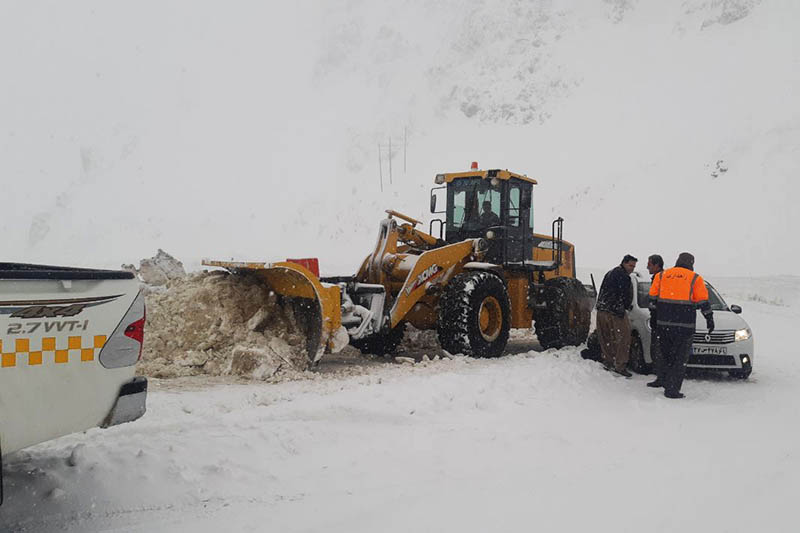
x: 466, y: 200
x: 527, y: 199
x: 514, y: 199
x: 459, y: 210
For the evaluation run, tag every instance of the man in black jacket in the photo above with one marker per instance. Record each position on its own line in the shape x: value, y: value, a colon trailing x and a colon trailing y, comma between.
x: 613, y: 326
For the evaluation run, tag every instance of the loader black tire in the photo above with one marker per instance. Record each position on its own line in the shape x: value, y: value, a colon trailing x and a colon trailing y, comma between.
x: 381, y: 343
x: 565, y: 318
x: 474, y: 315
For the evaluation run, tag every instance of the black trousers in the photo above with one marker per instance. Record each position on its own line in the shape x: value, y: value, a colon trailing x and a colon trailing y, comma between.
x: 655, y: 354
x: 675, y: 344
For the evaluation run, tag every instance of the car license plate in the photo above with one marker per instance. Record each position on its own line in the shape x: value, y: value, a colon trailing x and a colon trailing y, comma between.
x: 709, y: 350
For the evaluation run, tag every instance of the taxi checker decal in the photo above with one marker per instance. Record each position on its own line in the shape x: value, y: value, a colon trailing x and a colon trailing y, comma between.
x: 426, y: 275
x: 80, y: 348
x: 66, y: 307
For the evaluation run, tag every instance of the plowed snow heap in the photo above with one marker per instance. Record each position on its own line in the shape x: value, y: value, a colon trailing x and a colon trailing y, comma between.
x: 219, y: 324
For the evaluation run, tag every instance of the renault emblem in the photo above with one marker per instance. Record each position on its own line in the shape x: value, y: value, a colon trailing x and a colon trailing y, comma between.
x: 708, y: 337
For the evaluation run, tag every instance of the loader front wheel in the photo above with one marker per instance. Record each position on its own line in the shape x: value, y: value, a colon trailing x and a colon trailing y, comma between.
x: 381, y: 343
x: 474, y: 315
x: 565, y: 317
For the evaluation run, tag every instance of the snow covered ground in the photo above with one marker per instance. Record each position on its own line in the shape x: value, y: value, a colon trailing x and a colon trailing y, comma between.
x: 537, y: 440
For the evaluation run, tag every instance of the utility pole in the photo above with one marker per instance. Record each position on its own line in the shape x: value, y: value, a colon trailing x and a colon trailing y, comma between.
x: 380, y: 166
x: 390, y: 159
x: 405, y: 147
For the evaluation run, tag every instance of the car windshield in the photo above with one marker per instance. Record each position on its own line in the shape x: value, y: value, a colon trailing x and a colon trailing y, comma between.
x: 714, y: 298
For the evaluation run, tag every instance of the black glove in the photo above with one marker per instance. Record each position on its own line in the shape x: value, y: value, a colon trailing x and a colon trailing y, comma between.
x: 653, y: 320
x: 710, y: 323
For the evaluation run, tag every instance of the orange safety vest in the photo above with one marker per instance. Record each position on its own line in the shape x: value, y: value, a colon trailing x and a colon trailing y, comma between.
x: 677, y: 293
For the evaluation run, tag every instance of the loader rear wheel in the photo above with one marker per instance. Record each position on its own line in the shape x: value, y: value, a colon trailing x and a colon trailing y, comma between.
x: 381, y: 343
x: 474, y: 315
x: 565, y: 318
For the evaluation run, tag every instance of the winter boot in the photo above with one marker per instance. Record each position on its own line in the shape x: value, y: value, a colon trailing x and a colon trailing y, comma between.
x: 623, y: 372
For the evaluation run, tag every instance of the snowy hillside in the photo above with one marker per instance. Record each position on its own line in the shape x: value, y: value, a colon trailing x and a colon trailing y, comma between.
x: 253, y: 131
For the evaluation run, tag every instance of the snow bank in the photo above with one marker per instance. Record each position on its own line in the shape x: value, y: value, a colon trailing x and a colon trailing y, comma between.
x: 216, y: 323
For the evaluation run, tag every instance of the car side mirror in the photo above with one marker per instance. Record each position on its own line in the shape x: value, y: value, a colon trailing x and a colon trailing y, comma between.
x: 433, y: 203
x: 736, y: 309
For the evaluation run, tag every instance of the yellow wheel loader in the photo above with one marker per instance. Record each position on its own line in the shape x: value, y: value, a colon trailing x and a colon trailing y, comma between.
x: 478, y: 271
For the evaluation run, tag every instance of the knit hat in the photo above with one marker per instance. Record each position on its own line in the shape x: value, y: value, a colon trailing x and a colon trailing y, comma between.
x: 685, y: 260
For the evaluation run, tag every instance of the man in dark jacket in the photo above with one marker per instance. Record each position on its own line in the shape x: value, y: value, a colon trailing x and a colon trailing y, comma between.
x: 613, y: 326
x: 655, y: 265
x: 677, y: 294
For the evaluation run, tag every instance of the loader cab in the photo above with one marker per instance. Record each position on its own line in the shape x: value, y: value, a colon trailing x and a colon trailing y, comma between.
x: 495, y: 205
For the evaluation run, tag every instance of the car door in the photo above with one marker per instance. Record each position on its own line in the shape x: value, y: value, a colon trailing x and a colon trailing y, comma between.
x: 639, y: 314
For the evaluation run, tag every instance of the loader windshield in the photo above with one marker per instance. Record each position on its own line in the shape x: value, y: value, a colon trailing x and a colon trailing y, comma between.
x: 473, y: 204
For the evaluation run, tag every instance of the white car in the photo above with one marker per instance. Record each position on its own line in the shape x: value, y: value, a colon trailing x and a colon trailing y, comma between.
x: 729, y: 347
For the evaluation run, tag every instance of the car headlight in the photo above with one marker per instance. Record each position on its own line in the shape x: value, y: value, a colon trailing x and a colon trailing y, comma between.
x: 742, y: 334
x: 490, y: 234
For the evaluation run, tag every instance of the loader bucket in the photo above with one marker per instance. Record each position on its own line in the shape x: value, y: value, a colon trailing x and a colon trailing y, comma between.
x: 316, y: 306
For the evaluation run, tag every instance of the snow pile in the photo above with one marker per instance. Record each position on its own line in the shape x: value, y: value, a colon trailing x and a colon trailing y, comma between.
x: 216, y: 323
x: 158, y: 270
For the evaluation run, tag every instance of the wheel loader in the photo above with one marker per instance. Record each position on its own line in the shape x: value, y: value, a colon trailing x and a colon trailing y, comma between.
x: 477, y: 272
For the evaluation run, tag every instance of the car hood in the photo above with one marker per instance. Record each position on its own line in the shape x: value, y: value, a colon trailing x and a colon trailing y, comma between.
x: 723, y: 320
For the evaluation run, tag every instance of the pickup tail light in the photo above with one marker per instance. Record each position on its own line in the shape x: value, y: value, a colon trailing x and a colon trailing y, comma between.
x: 135, y: 331
x: 124, y: 346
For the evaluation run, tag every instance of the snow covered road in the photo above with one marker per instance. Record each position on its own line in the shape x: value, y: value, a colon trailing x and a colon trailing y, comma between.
x: 539, y: 440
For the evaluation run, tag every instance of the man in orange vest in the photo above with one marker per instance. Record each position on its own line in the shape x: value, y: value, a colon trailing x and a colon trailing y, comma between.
x: 655, y: 266
x: 677, y: 294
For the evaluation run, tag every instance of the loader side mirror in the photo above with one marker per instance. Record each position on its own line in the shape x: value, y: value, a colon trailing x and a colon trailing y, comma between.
x: 433, y: 203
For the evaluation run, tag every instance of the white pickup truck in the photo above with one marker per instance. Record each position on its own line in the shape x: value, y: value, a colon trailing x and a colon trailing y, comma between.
x: 69, y: 342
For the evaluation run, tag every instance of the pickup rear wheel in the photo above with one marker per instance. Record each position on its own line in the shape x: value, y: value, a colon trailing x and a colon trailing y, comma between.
x: 474, y: 315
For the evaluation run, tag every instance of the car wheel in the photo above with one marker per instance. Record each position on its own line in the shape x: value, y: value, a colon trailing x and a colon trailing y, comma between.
x: 636, y: 360
x: 740, y: 374
x: 592, y: 350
